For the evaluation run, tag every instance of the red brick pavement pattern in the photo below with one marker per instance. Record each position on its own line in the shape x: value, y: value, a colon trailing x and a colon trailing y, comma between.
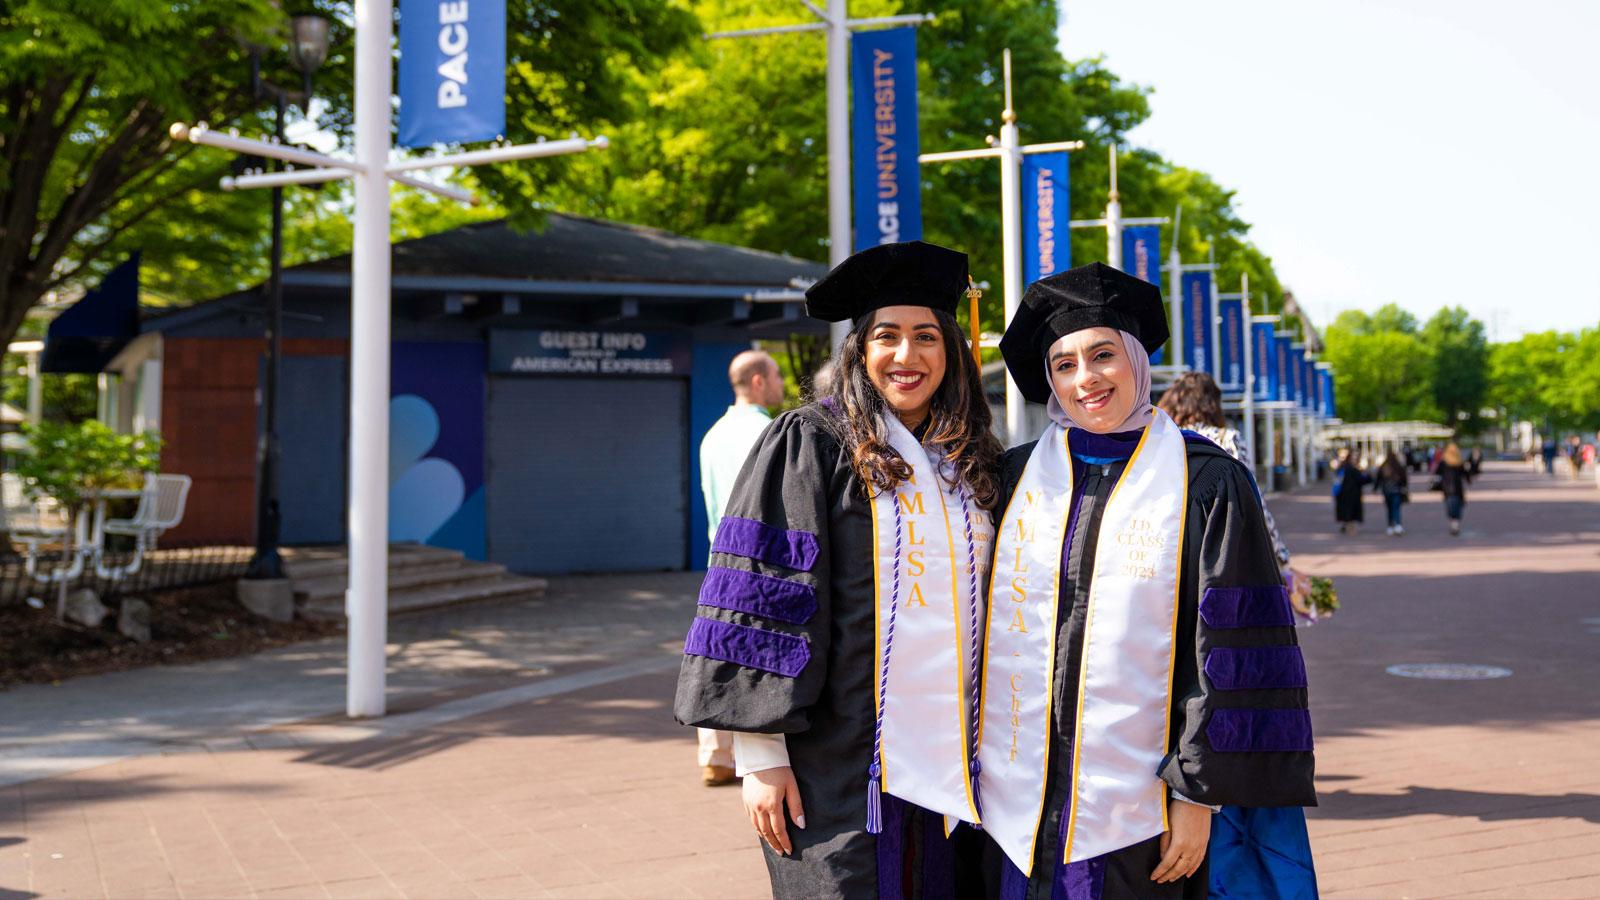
x: 1458, y: 788
x: 1429, y: 788
x: 592, y: 794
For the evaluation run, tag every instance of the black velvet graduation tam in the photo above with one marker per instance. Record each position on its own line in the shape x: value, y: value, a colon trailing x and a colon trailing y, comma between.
x: 910, y: 273
x: 1092, y: 296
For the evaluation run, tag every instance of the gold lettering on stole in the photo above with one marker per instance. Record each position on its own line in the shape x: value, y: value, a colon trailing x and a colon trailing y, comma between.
x: 915, y: 598
x: 1016, y: 622
x: 1016, y: 713
x: 914, y: 561
x: 913, y: 504
x: 911, y: 532
x: 1137, y: 541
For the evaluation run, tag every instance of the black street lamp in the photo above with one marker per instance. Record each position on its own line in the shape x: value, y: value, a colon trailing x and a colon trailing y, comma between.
x: 308, y: 49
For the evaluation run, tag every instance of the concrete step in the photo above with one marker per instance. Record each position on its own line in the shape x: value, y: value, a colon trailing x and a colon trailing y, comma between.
x: 432, y: 574
x: 326, y: 562
x: 433, y: 597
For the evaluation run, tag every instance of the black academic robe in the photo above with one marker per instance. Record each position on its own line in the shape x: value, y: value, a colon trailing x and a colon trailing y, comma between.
x: 1347, y: 493
x: 763, y: 657
x: 1226, y: 544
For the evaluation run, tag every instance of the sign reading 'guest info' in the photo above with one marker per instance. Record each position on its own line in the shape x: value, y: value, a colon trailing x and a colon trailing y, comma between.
x: 452, y: 71
x: 589, y: 352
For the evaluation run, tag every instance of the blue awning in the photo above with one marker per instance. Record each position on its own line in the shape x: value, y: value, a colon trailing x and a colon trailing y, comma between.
x: 90, y: 333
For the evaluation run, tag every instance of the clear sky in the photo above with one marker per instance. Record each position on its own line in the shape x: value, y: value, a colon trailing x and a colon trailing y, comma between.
x: 1426, y: 152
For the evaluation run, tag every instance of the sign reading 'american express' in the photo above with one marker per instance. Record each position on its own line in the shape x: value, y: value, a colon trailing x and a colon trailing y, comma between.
x: 883, y: 129
x: 1195, y: 315
x: 1231, y: 362
x: 1046, y: 207
x: 589, y: 352
x: 452, y: 71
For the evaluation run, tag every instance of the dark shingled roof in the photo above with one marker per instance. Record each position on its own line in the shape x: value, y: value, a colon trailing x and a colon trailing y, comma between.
x: 574, y: 248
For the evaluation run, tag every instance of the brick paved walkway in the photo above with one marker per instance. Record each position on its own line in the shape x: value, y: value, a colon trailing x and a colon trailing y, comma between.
x: 532, y: 752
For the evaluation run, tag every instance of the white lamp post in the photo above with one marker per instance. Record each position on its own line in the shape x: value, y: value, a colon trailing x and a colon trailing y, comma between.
x: 1009, y: 150
x: 366, y: 600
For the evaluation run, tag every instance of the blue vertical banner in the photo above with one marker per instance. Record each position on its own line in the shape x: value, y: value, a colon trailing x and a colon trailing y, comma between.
x: 452, y: 71
x: 1141, y: 258
x: 883, y: 137
x: 1231, y: 363
x: 1265, y: 349
x: 1308, y: 368
x: 1285, y: 392
x: 1194, y: 317
x: 1046, y: 207
x: 1297, y: 373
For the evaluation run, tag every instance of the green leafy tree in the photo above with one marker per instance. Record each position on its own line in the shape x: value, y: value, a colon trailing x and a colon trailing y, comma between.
x: 1460, y: 353
x: 1549, y: 378
x: 88, y: 89
x: 1385, y: 369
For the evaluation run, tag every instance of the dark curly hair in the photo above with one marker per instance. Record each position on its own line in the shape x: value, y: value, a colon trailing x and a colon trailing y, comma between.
x: 1194, y: 399
x: 959, y: 418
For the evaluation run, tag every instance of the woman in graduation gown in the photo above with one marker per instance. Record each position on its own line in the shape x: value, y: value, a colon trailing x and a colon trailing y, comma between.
x: 839, y: 622
x: 1141, y: 666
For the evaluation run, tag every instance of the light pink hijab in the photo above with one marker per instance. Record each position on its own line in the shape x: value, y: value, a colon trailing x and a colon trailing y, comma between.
x: 1143, y: 411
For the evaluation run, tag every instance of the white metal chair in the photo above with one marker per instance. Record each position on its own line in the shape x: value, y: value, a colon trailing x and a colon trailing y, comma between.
x: 160, y: 507
x: 33, y: 523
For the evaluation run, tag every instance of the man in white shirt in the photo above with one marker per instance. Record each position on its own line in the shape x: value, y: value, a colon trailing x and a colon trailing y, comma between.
x: 757, y: 384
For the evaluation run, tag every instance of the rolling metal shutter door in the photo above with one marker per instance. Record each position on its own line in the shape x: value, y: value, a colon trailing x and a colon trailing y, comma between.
x: 588, y: 475
x: 312, y: 426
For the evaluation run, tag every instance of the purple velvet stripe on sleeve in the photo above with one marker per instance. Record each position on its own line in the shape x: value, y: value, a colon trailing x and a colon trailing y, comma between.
x: 1259, y: 730
x: 753, y: 648
x: 759, y: 595
x: 1255, y: 668
x: 1246, y: 607
x: 758, y: 540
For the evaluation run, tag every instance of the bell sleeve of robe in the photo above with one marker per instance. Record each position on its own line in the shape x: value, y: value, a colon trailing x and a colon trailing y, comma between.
x: 1239, y: 717
x: 756, y: 655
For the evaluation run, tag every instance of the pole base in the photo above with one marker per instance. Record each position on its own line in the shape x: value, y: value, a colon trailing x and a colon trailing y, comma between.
x: 271, y: 598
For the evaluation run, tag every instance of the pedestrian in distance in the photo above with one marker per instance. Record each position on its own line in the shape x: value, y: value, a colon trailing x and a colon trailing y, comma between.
x: 1348, y: 480
x: 1450, y: 478
x: 1474, y: 463
x: 838, y: 627
x: 1574, y: 455
x: 757, y: 385
x: 1128, y: 552
x: 1393, y: 483
x: 1549, y: 451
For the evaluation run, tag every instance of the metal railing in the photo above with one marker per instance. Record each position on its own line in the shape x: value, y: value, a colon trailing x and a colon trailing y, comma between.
x: 163, y: 569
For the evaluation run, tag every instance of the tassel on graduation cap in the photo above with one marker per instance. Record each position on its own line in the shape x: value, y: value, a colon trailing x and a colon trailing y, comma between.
x: 973, y: 294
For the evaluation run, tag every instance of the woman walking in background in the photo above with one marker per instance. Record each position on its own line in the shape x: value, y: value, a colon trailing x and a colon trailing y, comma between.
x: 1392, y: 482
x: 1348, y: 480
x: 1195, y: 403
x: 1452, y: 475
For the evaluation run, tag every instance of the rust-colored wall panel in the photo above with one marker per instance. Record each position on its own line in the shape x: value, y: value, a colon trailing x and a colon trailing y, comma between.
x: 208, y: 420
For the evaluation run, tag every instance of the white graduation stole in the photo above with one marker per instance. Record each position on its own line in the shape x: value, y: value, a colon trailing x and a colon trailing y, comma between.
x: 1125, y: 688
x: 927, y: 698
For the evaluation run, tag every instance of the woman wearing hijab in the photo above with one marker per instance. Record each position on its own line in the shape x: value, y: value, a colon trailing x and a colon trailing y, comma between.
x: 1452, y: 480
x: 1141, y: 669
x: 838, y: 627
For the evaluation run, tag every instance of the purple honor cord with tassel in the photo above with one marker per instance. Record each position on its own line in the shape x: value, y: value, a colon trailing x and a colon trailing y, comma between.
x: 972, y: 615
x: 875, y: 771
